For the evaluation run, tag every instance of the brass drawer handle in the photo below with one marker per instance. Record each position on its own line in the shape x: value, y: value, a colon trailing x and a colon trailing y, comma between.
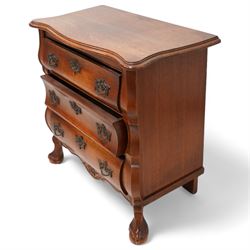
x: 102, y: 132
x: 75, y: 66
x: 105, y: 170
x: 57, y: 130
x: 53, y: 60
x: 54, y: 99
x: 80, y: 142
x: 75, y: 107
x: 102, y: 87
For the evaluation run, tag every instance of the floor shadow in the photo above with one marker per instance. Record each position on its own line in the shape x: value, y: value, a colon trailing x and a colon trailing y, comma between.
x: 221, y: 199
x: 116, y: 198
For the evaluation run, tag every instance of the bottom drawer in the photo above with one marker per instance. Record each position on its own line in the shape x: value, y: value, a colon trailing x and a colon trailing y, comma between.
x: 102, y: 161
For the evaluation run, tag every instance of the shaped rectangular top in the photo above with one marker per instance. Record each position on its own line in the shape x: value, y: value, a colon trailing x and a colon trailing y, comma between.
x: 128, y: 38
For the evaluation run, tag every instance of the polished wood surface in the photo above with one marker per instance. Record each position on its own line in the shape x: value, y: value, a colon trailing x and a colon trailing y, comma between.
x: 138, y: 228
x: 130, y: 38
x: 192, y: 186
x: 56, y: 156
x: 89, y: 151
x: 87, y: 72
x: 105, y: 128
x: 172, y: 122
x: 150, y: 136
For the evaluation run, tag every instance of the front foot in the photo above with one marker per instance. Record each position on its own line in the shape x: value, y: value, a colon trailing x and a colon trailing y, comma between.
x: 56, y: 156
x: 138, y: 228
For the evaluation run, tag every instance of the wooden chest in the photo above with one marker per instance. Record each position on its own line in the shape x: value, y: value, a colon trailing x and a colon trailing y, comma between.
x: 126, y: 94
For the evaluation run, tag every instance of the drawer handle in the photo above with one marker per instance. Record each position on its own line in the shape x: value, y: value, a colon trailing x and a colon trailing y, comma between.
x: 105, y: 170
x: 54, y: 99
x: 101, y: 87
x: 102, y: 132
x: 53, y: 60
x: 80, y: 142
x: 75, y: 66
x: 75, y: 107
x: 58, y: 131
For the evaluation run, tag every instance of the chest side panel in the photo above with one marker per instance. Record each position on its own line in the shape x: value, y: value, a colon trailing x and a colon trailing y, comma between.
x: 171, y: 102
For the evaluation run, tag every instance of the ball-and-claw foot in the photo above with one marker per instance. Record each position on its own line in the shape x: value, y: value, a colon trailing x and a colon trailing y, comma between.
x: 138, y: 231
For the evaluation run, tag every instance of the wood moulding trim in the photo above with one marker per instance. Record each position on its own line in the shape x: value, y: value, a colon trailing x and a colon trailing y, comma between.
x: 105, y: 52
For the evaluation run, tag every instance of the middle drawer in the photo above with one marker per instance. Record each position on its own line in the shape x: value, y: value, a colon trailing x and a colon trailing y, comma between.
x: 104, y: 127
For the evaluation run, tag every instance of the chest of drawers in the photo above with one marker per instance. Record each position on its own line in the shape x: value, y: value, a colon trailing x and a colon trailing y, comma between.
x: 126, y: 94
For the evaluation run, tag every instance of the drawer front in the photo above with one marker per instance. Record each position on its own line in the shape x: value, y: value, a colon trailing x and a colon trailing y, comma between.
x: 104, y: 163
x: 99, y: 81
x: 102, y: 126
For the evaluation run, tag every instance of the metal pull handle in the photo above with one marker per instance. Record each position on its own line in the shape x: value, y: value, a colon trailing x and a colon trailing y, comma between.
x: 75, y: 66
x: 105, y: 170
x: 53, y: 60
x: 57, y: 130
x: 102, y: 87
x: 54, y: 99
x: 80, y: 142
x: 102, y: 132
x: 75, y: 107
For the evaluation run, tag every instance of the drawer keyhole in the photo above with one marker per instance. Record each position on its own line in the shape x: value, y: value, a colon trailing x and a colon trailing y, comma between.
x: 75, y: 66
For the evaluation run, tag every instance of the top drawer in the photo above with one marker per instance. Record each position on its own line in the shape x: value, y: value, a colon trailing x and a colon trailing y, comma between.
x: 98, y: 80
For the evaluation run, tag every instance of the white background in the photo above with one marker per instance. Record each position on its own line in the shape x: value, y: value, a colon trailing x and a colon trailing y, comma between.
x: 45, y: 206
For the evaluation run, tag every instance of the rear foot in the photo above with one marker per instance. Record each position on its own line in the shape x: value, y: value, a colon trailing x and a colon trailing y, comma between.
x: 192, y: 186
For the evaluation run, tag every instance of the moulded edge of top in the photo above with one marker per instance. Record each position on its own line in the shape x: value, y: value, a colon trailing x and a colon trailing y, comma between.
x: 109, y: 53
